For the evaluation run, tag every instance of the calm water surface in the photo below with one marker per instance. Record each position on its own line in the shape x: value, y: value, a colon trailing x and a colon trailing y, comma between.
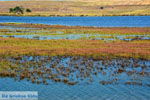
x: 59, y: 91
x: 113, y: 21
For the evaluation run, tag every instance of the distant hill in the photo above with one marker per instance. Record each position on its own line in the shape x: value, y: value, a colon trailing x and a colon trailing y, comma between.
x: 110, y: 2
x: 79, y: 7
x: 102, y: 2
x: 121, y: 2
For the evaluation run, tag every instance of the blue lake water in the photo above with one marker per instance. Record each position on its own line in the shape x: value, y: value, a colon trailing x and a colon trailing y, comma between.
x: 109, y: 21
x: 59, y: 91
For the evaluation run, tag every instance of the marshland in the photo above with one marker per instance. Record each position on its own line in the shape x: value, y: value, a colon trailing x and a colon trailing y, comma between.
x: 76, y: 62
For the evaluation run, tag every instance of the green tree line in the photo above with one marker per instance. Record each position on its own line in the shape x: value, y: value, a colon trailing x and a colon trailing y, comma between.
x: 19, y: 10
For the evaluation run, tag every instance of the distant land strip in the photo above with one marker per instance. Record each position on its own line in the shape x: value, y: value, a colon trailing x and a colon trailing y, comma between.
x: 78, y: 8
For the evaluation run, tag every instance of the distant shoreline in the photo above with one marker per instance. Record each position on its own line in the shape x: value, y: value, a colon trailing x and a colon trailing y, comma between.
x: 28, y: 15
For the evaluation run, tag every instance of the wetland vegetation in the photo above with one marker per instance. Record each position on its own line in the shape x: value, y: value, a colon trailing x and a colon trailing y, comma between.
x: 44, y: 55
x: 72, y: 70
x: 111, y: 50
